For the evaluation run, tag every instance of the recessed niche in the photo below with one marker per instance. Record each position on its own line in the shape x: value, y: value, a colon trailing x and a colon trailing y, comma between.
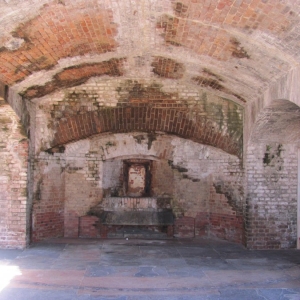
x: 137, y: 177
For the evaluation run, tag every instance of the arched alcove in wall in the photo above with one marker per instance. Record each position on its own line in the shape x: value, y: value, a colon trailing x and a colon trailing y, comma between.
x: 272, y: 177
x: 200, y: 184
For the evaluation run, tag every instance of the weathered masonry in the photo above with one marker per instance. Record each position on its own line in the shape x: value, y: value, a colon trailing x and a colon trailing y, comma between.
x: 150, y: 118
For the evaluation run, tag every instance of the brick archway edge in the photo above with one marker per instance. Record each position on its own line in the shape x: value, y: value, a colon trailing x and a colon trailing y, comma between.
x: 144, y: 119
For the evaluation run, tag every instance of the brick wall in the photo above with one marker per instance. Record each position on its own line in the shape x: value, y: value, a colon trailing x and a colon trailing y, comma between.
x: 13, y: 180
x: 85, y: 68
x: 201, y: 180
x: 74, y: 124
x: 206, y: 185
x: 117, y: 106
x: 272, y: 195
x: 48, y: 198
x: 81, y: 193
x: 125, y: 105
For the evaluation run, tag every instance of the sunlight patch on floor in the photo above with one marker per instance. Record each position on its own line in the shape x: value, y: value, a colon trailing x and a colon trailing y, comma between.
x: 7, y: 273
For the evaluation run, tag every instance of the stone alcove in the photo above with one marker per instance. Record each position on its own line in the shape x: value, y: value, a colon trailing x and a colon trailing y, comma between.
x: 199, y: 186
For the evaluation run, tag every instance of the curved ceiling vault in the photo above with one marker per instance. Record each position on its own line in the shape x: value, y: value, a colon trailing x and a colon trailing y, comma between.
x: 234, y: 49
x: 278, y: 122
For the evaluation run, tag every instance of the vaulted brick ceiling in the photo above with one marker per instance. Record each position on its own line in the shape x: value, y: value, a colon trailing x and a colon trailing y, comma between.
x: 229, y: 47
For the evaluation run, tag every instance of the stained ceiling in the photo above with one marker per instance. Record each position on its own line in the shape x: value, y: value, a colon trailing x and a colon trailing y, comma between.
x: 233, y: 48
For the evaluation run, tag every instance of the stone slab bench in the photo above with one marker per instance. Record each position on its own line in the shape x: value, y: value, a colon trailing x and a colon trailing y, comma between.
x: 137, y: 218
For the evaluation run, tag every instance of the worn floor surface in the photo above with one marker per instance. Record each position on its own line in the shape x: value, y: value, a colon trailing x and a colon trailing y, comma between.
x: 122, y: 269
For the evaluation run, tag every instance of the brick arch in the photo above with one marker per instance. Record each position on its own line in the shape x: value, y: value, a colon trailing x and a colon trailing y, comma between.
x: 278, y: 122
x: 145, y: 119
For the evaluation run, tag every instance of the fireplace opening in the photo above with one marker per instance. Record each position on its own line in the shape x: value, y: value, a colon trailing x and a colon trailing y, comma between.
x: 137, y: 178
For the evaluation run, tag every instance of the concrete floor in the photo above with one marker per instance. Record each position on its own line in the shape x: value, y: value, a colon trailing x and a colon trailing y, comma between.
x: 147, y: 269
